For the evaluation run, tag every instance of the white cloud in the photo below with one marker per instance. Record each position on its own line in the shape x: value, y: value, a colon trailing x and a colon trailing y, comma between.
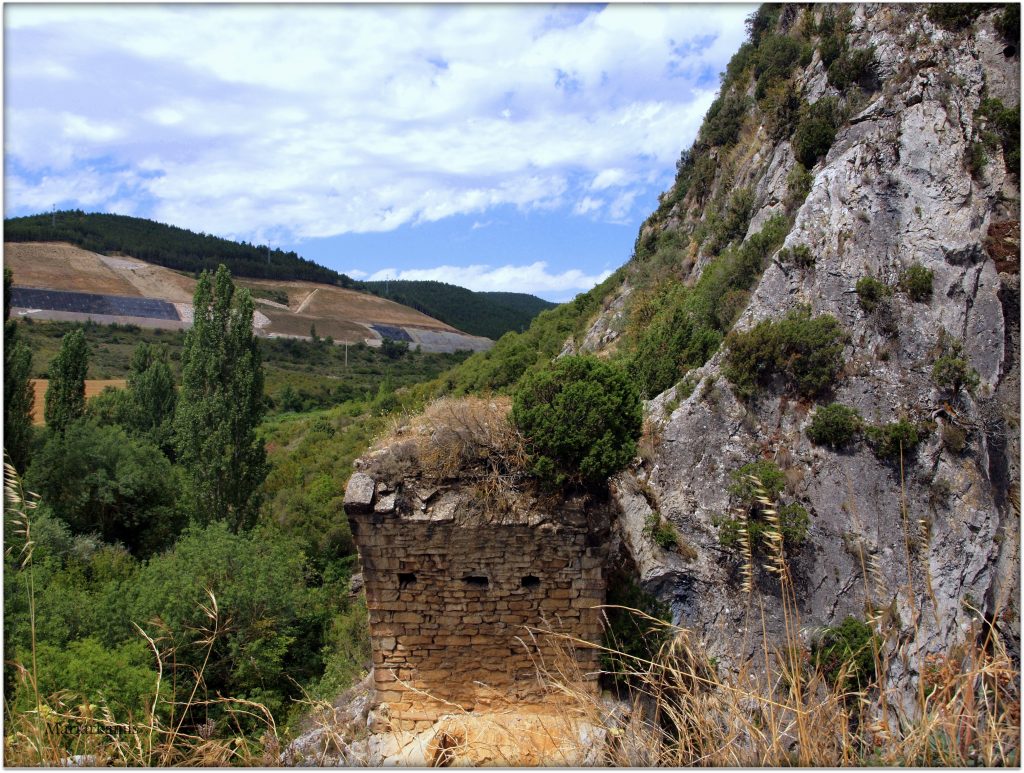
x: 316, y: 120
x: 533, y: 278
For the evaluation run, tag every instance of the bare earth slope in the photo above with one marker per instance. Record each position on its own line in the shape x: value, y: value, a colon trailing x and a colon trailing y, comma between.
x: 345, y: 315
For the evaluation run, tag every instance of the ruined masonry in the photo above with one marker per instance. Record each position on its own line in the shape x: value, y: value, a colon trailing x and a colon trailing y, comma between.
x: 454, y: 591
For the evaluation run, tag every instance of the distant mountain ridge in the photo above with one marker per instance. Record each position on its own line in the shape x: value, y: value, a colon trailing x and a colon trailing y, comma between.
x: 489, y: 314
x: 167, y: 245
x: 478, y: 313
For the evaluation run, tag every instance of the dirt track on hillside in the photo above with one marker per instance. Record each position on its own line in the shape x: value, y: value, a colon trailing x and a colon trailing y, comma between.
x: 342, y: 314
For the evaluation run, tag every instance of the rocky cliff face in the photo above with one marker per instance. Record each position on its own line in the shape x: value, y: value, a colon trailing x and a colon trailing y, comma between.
x: 932, y: 545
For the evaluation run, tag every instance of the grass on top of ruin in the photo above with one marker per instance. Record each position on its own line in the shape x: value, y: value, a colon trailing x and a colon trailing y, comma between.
x: 469, y: 438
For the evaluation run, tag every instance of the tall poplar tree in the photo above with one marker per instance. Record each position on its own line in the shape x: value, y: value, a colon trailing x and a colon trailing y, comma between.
x: 220, y: 404
x: 65, y: 395
x: 18, y: 393
x: 151, y: 396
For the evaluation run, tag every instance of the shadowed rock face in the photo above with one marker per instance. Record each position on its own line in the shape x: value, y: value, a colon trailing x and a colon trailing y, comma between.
x: 934, y: 546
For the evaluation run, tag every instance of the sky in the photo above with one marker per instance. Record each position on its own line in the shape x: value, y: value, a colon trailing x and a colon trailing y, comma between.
x: 498, y: 147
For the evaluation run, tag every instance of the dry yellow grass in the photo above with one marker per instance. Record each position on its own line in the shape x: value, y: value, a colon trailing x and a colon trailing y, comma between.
x: 92, y: 388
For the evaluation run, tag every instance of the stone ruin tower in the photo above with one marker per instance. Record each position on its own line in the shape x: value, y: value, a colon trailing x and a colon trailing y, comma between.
x: 454, y: 587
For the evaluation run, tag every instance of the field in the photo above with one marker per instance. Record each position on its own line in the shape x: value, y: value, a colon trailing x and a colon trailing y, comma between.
x: 92, y: 388
x: 317, y: 375
x: 344, y: 315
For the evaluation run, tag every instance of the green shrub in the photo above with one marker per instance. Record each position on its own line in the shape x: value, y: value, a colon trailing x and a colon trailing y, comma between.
x: 750, y: 482
x: 834, y: 425
x: 661, y: 531
x: 956, y: 16
x: 724, y: 120
x: 851, y: 67
x: 917, y: 282
x: 631, y: 639
x: 952, y: 372
x: 1005, y: 126
x: 775, y: 58
x: 805, y: 351
x: 1008, y: 23
x: 734, y: 221
x: 731, y: 306
x: 781, y: 109
x: 800, y: 255
x: 888, y: 441
x: 581, y: 417
x: 870, y: 292
x: 812, y: 140
x: 846, y: 651
x: 679, y: 327
x: 976, y: 159
x: 798, y: 185
x: 816, y: 131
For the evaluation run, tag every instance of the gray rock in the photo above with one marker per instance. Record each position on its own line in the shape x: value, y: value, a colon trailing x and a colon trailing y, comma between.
x: 893, y: 190
x: 359, y: 492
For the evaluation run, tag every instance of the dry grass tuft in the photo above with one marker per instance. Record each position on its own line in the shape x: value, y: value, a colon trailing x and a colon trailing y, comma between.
x: 468, y: 438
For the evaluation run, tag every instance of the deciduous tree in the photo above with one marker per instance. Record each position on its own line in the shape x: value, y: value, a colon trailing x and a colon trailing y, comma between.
x: 65, y: 396
x: 18, y: 394
x: 220, y: 404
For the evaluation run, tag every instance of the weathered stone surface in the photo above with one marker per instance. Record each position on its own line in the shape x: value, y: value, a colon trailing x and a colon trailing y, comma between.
x: 359, y: 492
x: 893, y: 190
x: 459, y: 598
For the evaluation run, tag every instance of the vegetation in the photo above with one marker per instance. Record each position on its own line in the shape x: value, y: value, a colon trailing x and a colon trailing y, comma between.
x: 678, y: 327
x: 1002, y: 128
x: 870, y: 292
x: 951, y: 372
x: 166, y: 245
x: 917, y: 283
x: 846, y: 654
x: 834, y: 425
x: 220, y: 405
x: 478, y: 313
x: 893, y: 440
x: 853, y: 67
x: 515, y: 354
x: 65, y: 395
x: 800, y: 255
x: 957, y: 16
x: 756, y: 488
x: 661, y: 531
x: 815, y: 131
x: 804, y: 351
x: 581, y: 418
x: 634, y: 629
x: 18, y: 393
x: 104, y: 482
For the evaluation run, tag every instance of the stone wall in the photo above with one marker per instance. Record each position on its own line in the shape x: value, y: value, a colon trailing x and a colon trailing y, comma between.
x: 453, y: 592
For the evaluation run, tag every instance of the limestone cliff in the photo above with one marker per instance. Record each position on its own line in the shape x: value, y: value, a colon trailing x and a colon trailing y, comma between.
x: 932, y: 546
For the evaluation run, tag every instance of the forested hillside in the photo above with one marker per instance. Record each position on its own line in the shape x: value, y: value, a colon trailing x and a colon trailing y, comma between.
x: 489, y: 314
x: 166, y: 245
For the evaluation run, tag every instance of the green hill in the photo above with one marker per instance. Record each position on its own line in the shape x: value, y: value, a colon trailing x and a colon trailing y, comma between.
x: 478, y: 313
x: 166, y: 245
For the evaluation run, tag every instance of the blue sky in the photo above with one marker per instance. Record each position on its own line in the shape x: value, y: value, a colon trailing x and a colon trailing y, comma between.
x: 500, y: 147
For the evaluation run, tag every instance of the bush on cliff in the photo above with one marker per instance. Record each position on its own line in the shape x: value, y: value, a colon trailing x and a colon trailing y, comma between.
x: 581, y: 418
x: 805, y: 351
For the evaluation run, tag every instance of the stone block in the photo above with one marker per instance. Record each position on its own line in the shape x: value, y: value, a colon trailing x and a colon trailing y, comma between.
x: 359, y: 493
